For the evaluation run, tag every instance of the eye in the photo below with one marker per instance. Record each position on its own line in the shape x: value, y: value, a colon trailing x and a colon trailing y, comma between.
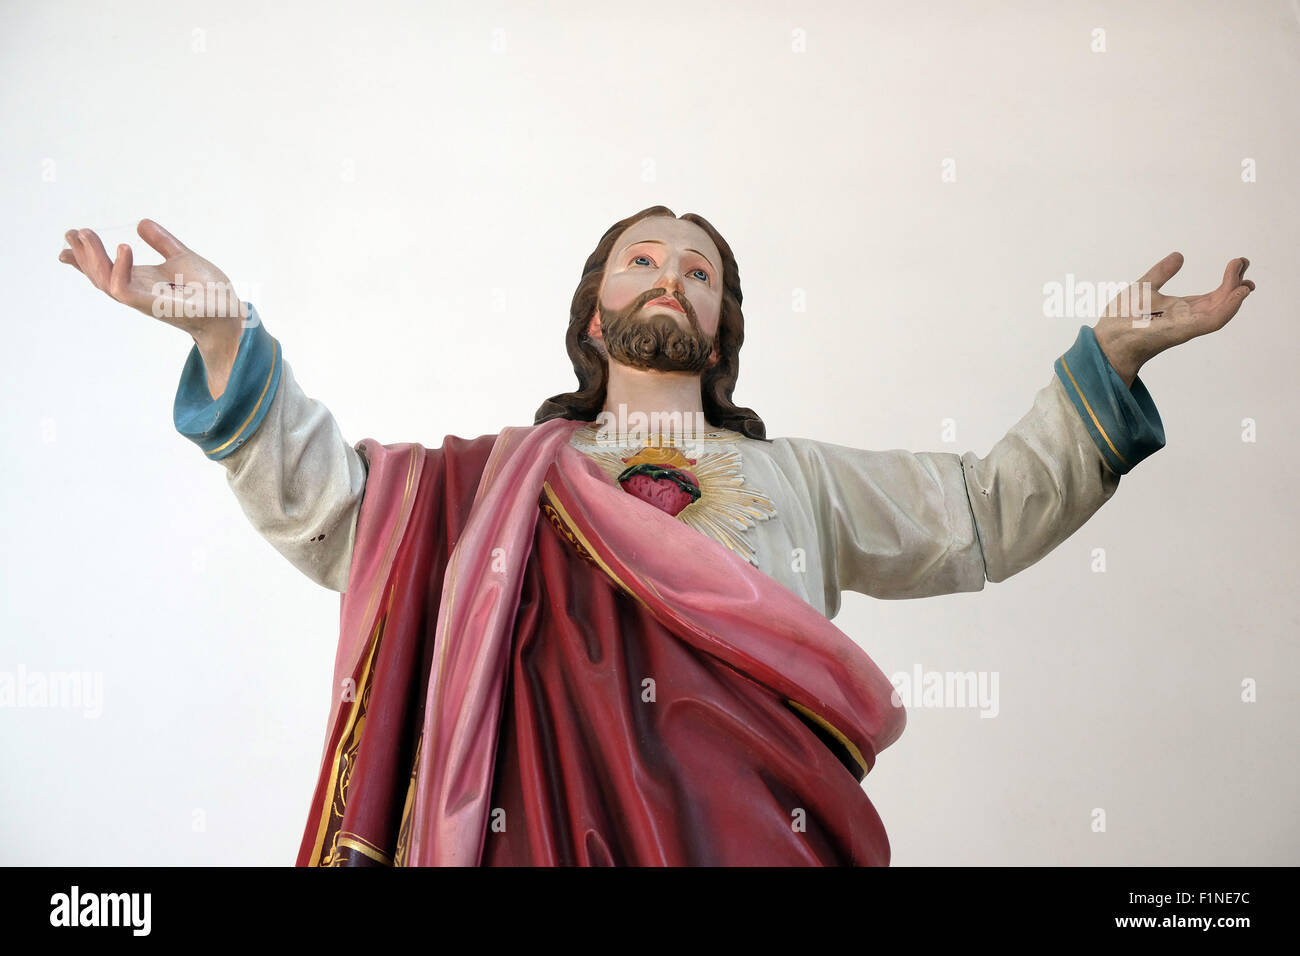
x: 704, y: 276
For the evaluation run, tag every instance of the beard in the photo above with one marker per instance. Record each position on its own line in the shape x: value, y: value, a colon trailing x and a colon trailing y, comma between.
x: 654, y: 340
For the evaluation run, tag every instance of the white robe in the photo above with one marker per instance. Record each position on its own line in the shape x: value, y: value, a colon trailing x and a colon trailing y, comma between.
x: 890, y: 524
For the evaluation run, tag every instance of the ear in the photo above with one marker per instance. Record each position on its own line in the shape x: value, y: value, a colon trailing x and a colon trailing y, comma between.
x: 714, y: 357
x: 593, y: 327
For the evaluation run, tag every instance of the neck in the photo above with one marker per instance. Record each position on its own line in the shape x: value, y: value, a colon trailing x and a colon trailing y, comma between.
x: 662, y: 397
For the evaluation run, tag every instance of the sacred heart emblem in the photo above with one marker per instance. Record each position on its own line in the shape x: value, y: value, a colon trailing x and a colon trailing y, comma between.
x: 668, y: 488
x: 707, y: 493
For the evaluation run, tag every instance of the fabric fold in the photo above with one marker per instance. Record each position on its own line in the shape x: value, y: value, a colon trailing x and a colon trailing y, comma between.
x: 791, y: 647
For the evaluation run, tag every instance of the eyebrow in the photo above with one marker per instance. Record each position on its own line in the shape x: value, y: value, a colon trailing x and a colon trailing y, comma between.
x: 660, y: 242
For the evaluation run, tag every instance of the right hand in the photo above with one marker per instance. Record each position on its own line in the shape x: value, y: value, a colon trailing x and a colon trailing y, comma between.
x: 184, y: 290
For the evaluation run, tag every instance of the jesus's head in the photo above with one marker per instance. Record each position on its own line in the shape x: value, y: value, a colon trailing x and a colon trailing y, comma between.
x: 661, y: 298
x: 660, y: 292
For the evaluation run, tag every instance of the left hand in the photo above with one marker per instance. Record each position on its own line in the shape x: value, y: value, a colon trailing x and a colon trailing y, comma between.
x: 1129, y: 339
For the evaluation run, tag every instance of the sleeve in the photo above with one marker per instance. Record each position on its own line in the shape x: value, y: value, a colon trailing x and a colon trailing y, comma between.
x: 296, y: 478
x: 898, y: 524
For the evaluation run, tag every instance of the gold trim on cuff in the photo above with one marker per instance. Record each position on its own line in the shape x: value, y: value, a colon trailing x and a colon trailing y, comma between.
x: 275, y: 352
x: 1065, y: 365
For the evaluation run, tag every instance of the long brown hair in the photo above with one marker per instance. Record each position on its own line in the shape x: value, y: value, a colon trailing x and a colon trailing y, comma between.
x: 716, y: 383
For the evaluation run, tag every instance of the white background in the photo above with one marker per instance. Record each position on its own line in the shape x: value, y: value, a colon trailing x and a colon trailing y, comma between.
x: 368, y: 175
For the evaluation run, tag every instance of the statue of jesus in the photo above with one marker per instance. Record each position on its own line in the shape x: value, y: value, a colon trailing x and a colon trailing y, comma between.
x: 605, y: 638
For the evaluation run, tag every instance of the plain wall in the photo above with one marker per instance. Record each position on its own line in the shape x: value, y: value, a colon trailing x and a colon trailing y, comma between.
x: 408, y: 194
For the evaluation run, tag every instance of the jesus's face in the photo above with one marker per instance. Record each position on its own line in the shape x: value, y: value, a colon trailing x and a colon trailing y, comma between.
x: 673, y: 260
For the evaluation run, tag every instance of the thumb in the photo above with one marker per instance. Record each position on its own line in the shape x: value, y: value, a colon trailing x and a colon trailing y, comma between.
x: 1163, y: 271
x: 161, y: 240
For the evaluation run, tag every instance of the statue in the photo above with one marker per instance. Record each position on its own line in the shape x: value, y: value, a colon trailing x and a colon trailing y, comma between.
x: 605, y: 638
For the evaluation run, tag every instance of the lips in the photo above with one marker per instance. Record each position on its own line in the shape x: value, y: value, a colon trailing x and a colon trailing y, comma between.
x: 668, y: 301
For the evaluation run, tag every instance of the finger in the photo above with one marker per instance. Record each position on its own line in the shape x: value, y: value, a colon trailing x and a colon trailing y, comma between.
x: 119, y: 283
x: 1235, y: 301
x: 1163, y: 271
x: 67, y: 256
x: 161, y: 240
x: 78, y: 250
x: 1227, y: 305
x: 95, y: 263
x: 1233, y: 273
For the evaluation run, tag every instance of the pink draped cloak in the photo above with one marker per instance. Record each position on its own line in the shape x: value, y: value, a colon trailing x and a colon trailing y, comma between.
x: 537, y: 668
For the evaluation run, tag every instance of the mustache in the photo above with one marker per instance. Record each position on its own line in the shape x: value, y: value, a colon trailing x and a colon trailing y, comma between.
x: 656, y: 341
x: 651, y: 294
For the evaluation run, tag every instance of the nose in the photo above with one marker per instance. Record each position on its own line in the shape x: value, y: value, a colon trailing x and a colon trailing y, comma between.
x: 670, y: 281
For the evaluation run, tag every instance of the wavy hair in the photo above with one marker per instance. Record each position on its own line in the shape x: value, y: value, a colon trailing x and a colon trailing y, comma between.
x: 716, y: 383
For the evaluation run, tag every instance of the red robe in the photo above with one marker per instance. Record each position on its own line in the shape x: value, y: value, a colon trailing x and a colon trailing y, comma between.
x: 590, y: 682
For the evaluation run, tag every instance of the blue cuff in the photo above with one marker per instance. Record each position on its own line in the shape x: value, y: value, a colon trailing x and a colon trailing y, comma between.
x: 1123, y: 422
x: 221, y: 426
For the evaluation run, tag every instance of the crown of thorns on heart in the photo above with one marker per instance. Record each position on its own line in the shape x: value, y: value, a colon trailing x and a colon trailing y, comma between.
x: 667, y: 488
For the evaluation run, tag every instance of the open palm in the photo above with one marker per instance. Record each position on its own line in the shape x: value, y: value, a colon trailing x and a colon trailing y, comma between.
x: 1143, y: 322
x: 184, y: 290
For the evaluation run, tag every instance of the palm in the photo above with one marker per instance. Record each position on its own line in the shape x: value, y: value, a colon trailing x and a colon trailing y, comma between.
x: 183, y: 290
x: 1171, y: 320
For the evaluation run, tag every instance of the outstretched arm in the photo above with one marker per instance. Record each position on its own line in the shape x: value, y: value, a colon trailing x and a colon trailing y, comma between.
x: 901, y: 524
x: 898, y: 524
x: 298, y: 481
